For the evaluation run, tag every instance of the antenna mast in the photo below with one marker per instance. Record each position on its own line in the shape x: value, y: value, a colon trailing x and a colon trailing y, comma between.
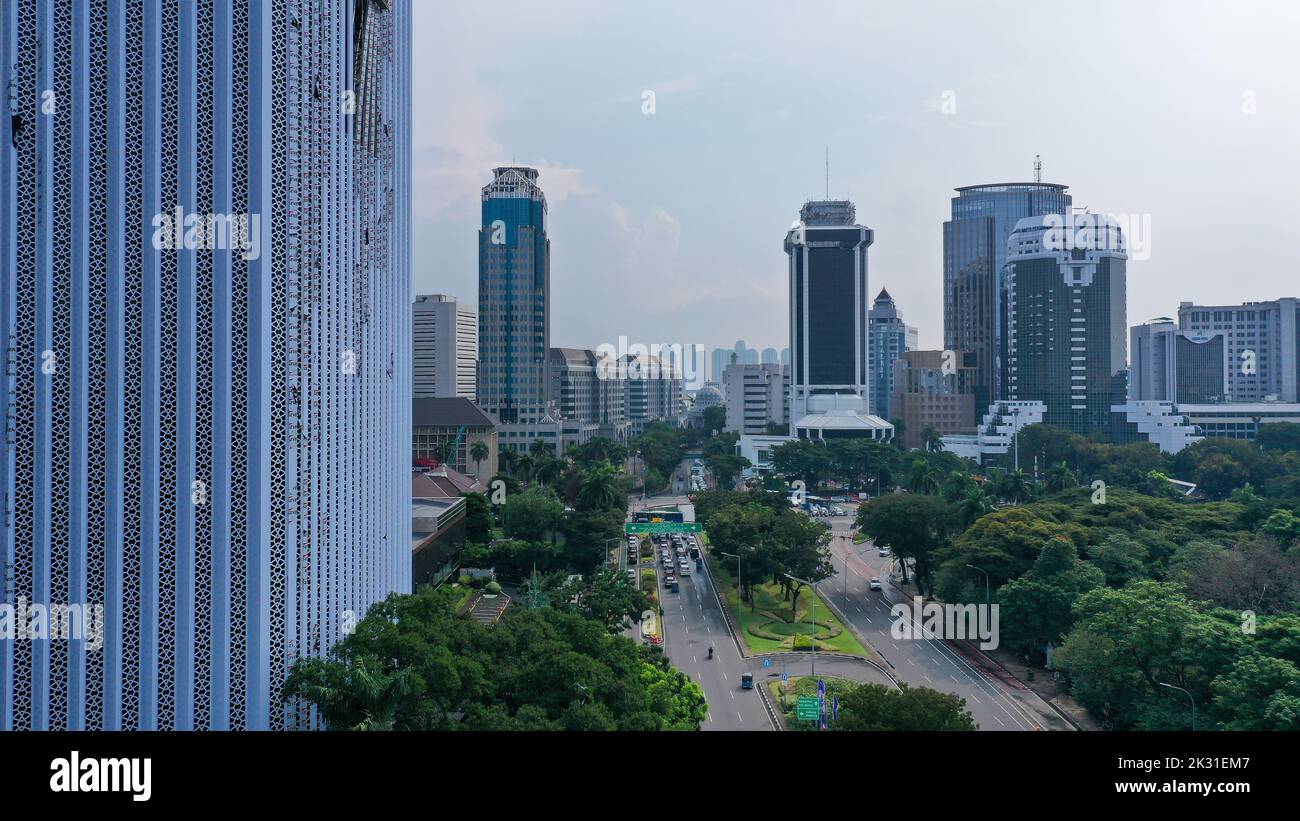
x: 1038, y: 168
x: 828, y: 172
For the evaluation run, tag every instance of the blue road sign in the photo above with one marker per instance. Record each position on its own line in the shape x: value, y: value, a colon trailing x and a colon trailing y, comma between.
x: 785, y: 678
x: 767, y: 662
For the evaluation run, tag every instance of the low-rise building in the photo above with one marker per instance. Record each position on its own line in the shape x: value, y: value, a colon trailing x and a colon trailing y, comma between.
x: 439, y: 422
x: 934, y: 389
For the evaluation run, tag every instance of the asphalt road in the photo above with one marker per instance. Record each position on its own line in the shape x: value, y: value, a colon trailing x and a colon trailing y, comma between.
x: 921, y: 661
x: 693, y: 622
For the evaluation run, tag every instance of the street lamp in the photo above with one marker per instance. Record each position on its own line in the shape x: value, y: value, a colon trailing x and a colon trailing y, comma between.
x: 988, y: 595
x: 740, y: 585
x: 1189, y: 698
x: 812, y: 615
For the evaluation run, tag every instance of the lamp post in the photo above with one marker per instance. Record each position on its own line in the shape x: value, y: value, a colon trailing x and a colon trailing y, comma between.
x: 1191, y: 700
x: 740, y: 585
x: 812, y: 616
x: 988, y: 595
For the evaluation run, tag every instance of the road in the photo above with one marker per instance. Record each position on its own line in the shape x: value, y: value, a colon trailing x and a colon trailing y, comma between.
x: 923, y: 662
x: 693, y: 622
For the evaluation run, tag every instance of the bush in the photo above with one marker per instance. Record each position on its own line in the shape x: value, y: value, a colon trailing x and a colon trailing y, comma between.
x: 492, y: 588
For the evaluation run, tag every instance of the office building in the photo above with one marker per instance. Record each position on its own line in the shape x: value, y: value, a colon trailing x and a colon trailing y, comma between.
x: 1171, y: 365
x: 770, y: 357
x: 827, y: 251
x: 974, y: 251
x: 995, y: 436
x: 652, y: 390
x: 452, y: 423
x: 756, y: 397
x: 208, y: 333
x: 1263, y: 348
x: 1066, y: 329
x: 585, y: 387
x: 888, y: 338
x: 514, y: 298
x: 934, y: 389
x: 444, y: 347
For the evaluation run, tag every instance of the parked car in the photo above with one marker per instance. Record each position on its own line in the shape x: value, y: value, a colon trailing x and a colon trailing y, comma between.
x: 882, y: 552
x: 874, y: 584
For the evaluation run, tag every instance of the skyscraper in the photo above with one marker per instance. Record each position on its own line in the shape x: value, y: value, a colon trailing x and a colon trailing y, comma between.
x: 1066, y: 319
x: 514, y: 298
x: 205, y: 274
x: 828, y: 323
x: 974, y: 251
x: 889, y: 338
x: 444, y: 347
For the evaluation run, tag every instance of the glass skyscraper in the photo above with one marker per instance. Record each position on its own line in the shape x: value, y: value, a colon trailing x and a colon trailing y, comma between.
x: 890, y: 338
x: 514, y: 297
x: 1066, y: 319
x: 204, y: 214
x: 974, y: 251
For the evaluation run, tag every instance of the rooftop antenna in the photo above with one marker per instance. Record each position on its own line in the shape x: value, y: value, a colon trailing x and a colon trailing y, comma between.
x: 1038, y: 168
x: 828, y: 172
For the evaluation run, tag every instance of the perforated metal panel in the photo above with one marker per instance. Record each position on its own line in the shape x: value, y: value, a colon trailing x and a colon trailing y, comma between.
x: 199, y: 461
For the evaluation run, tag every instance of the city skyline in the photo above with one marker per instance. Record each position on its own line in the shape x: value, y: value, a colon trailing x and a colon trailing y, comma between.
x: 642, y: 210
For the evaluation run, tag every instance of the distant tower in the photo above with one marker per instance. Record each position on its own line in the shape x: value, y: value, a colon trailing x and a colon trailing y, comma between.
x: 828, y: 323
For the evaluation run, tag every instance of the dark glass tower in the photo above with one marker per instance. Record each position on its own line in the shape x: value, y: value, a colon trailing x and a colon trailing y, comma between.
x: 1066, y: 320
x: 514, y: 297
x: 828, y: 303
x: 974, y: 251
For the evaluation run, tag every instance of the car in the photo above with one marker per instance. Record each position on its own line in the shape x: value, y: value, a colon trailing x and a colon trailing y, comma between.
x: 669, y: 578
x: 631, y: 575
x: 874, y: 584
x: 882, y: 552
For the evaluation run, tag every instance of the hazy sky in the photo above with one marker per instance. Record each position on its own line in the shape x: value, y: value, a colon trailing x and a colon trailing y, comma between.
x: 668, y: 227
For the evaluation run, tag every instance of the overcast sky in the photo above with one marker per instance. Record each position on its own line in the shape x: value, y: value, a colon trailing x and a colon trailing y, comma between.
x: 668, y: 227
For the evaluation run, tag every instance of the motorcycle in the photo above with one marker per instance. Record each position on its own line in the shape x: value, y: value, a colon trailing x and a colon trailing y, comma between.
x: 710, y: 652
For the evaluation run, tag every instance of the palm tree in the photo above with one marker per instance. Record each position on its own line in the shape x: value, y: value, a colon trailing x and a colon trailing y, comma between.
x: 478, y: 452
x: 600, y: 486
x: 973, y: 504
x: 931, y: 439
x: 506, y: 458
x: 525, y: 465
x: 924, y: 477
x: 1016, y: 487
x: 540, y: 448
x: 547, y: 469
x: 956, y: 485
x: 1060, y: 477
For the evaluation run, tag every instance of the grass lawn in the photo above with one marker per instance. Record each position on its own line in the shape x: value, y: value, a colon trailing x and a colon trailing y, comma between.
x: 770, y: 627
x: 650, y: 586
x: 463, y: 592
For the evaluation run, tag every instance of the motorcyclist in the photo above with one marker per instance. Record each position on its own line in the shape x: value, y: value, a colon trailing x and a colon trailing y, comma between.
x: 710, y: 651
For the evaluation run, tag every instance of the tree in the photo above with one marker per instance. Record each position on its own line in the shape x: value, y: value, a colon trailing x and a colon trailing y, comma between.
x: 1016, y: 488
x: 478, y: 518
x: 548, y: 469
x: 722, y: 460
x: 875, y: 707
x: 1282, y: 525
x: 931, y: 439
x: 588, y: 535
x: 1258, y: 693
x: 915, y: 527
x: 478, y: 452
x: 532, y: 515
x: 973, y: 504
x: 1060, y: 477
x: 1121, y: 558
x: 714, y: 419
x: 923, y: 478
x: 413, y: 664
x: 1036, y: 608
x: 1279, y: 436
x: 601, y: 487
x: 607, y: 597
x: 1218, y: 475
x: 802, y: 459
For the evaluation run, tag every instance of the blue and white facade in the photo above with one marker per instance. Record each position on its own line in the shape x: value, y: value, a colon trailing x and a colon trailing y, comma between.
x: 207, y: 431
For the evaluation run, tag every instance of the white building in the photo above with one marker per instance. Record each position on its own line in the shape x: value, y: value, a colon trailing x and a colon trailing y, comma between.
x: 756, y: 396
x: 444, y: 341
x: 1262, y: 347
x: 997, y: 431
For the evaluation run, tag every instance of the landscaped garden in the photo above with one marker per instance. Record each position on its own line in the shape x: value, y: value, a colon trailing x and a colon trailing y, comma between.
x: 786, y: 696
x: 771, y: 626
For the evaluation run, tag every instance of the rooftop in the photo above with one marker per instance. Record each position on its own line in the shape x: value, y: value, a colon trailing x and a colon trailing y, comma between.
x: 449, y: 411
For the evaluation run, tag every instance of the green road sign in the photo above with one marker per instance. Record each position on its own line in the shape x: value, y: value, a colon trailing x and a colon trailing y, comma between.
x: 806, y: 708
x: 662, y: 527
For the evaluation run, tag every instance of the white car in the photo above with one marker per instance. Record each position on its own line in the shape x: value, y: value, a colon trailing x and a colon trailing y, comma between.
x: 874, y: 584
x: 882, y: 552
x: 685, y: 567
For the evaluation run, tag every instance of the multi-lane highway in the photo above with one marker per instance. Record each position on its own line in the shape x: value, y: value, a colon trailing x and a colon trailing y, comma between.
x: 921, y: 661
x: 693, y: 622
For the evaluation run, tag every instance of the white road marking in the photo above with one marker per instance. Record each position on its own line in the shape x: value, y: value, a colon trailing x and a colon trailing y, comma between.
x: 998, y: 720
x: 909, y: 661
x: 977, y: 698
